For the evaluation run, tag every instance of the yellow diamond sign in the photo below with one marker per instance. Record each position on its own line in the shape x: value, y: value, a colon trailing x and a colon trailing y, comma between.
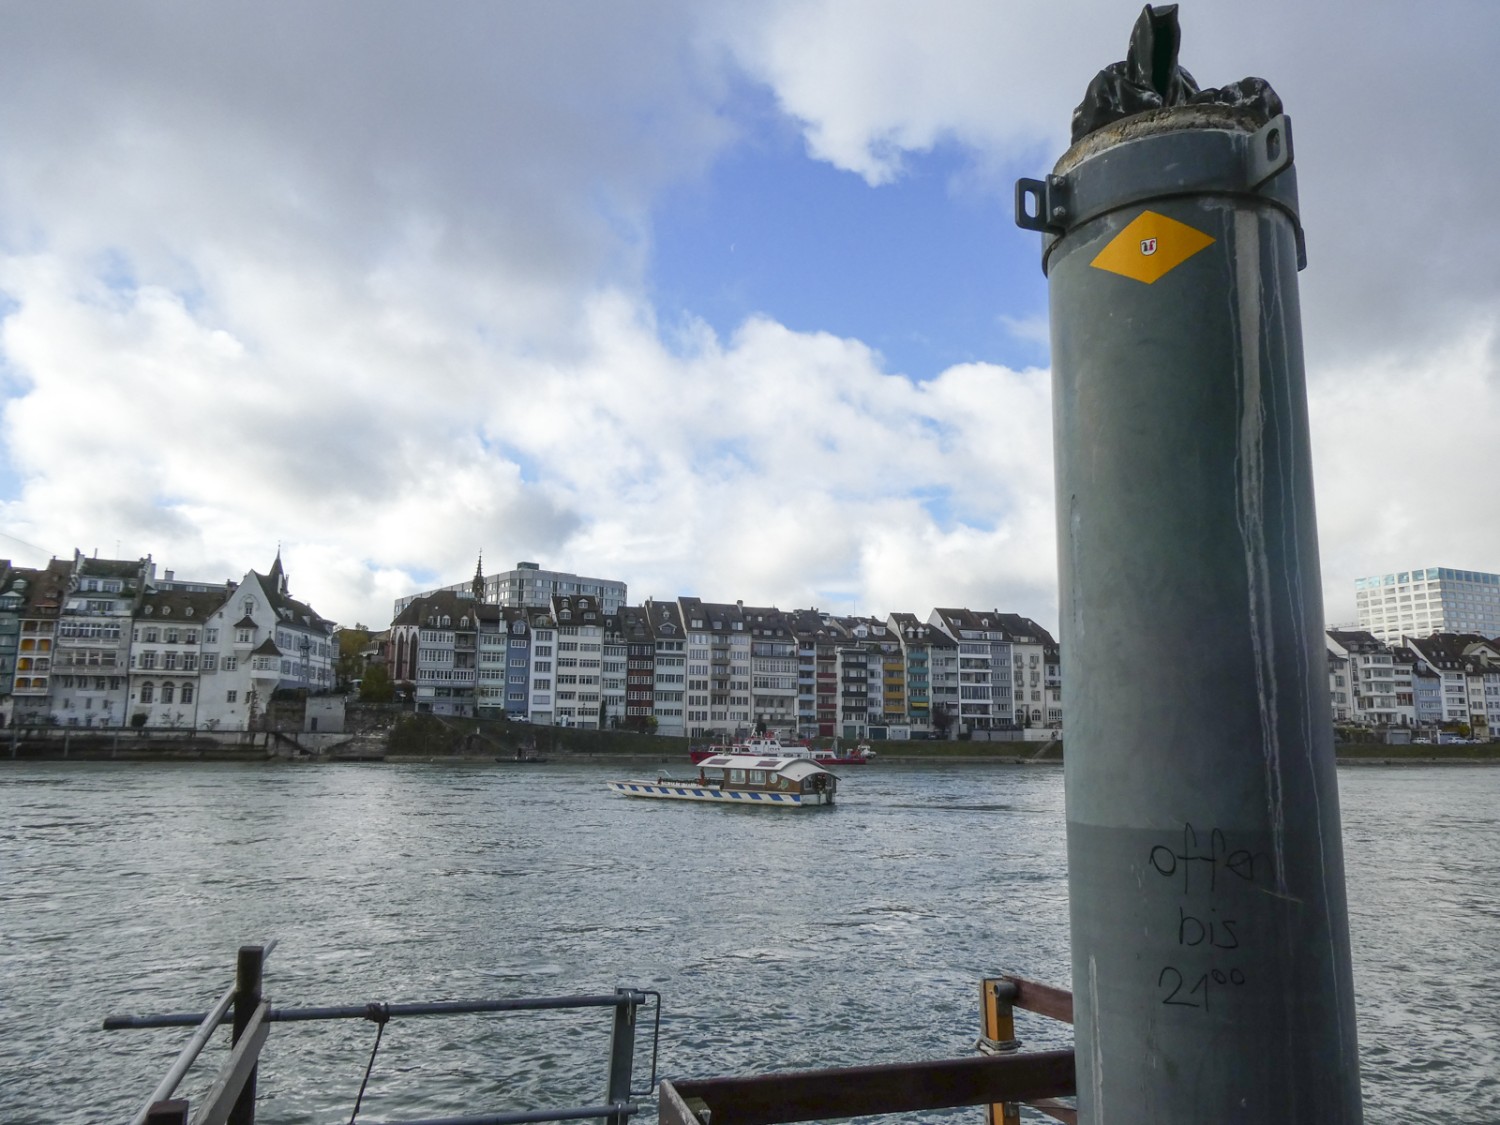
x: 1150, y: 246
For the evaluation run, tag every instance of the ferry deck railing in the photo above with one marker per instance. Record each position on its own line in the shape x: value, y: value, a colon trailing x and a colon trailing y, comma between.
x: 231, y: 1099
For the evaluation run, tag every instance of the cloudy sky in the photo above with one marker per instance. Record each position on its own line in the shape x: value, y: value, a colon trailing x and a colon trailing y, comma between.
x: 715, y: 299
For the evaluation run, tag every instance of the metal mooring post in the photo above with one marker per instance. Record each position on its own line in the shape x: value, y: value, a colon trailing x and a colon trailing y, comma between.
x: 1211, y: 973
x: 249, y: 978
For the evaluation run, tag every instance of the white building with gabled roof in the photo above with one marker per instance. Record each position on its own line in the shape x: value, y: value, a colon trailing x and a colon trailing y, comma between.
x: 260, y: 641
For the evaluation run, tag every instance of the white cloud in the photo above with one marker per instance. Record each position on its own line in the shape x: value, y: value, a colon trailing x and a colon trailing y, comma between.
x: 1399, y: 449
x: 772, y: 467
x: 370, y: 284
x: 1403, y: 235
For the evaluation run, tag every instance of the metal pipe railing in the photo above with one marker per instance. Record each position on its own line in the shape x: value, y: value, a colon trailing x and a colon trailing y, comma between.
x: 207, y: 1025
x: 363, y: 1011
x: 232, y: 1101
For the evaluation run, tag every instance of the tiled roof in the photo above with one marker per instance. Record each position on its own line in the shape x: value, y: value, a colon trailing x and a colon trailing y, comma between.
x: 188, y: 605
x: 442, y: 603
x: 287, y: 608
x: 111, y: 568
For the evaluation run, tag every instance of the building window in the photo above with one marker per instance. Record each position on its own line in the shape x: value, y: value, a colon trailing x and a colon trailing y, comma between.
x: 231, y: 696
x: 147, y: 693
x: 187, y: 693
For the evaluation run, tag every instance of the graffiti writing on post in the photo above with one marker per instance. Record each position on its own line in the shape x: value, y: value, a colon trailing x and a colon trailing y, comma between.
x: 1204, y: 866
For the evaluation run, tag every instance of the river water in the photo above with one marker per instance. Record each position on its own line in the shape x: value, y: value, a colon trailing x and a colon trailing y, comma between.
x: 846, y: 936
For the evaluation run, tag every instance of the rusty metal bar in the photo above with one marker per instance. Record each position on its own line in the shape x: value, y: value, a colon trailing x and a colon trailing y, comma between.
x: 673, y: 1109
x: 1058, y: 1111
x: 524, y: 1117
x: 814, y: 1095
x: 1043, y: 999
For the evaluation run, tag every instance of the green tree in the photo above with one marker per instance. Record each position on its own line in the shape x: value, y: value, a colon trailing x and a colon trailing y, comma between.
x: 942, y: 720
x: 351, y: 665
x: 376, y: 686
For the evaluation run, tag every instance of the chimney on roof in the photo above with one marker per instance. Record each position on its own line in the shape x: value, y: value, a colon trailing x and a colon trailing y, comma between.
x: 168, y: 575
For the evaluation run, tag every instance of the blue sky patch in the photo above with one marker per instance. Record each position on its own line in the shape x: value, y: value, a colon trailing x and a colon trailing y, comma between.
x: 925, y: 269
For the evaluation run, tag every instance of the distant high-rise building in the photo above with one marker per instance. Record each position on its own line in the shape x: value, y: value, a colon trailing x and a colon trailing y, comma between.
x: 1434, y: 599
x: 529, y: 585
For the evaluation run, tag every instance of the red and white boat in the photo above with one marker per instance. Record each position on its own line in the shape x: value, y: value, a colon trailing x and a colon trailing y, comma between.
x: 767, y: 745
x: 836, y: 756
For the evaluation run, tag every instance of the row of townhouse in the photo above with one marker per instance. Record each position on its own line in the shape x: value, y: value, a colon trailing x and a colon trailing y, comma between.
x: 706, y: 669
x: 1419, y: 682
x: 92, y: 642
x: 461, y: 656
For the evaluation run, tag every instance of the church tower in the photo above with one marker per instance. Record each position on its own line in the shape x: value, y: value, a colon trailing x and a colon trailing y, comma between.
x: 478, y: 584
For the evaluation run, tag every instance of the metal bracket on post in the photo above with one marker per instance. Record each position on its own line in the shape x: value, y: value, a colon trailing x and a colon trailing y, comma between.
x: 1170, y: 163
x: 997, y: 1013
x: 1047, y: 210
x: 621, y: 1056
x: 1268, y: 151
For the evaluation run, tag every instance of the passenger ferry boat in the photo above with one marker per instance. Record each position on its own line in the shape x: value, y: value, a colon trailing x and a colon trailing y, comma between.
x: 743, y: 779
x: 771, y: 747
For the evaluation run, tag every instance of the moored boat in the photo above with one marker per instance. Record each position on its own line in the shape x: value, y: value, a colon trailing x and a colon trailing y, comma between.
x: 859, y: 756
x: 743, y: 779
x: 763, y: 746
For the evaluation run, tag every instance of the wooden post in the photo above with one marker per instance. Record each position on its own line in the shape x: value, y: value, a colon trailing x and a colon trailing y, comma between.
x: 249, y: 967
x: 998, y: 1037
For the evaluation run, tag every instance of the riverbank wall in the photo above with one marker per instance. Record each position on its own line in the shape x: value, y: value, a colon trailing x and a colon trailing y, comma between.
x: 383, y: 736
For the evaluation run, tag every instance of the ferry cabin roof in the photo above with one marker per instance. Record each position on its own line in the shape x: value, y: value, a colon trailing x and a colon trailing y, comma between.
x: 794, y: 769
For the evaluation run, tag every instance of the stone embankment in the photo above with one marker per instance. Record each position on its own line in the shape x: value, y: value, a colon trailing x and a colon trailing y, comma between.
x: 386, y: 733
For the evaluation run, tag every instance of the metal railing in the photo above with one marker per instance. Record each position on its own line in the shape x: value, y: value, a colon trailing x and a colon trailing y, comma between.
x: 1002, y: 1077
x: 231, y: 1099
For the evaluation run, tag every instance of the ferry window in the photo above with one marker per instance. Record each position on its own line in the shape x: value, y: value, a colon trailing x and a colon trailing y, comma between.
x: 737, y: 776
x: 757, y: 777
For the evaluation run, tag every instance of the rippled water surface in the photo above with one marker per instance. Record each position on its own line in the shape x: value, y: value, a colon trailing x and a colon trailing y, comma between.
x: 778, y: 940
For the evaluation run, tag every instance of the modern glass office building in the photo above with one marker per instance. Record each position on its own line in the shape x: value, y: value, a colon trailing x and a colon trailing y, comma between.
x: 1434, y: 599
x: 529, y: 585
